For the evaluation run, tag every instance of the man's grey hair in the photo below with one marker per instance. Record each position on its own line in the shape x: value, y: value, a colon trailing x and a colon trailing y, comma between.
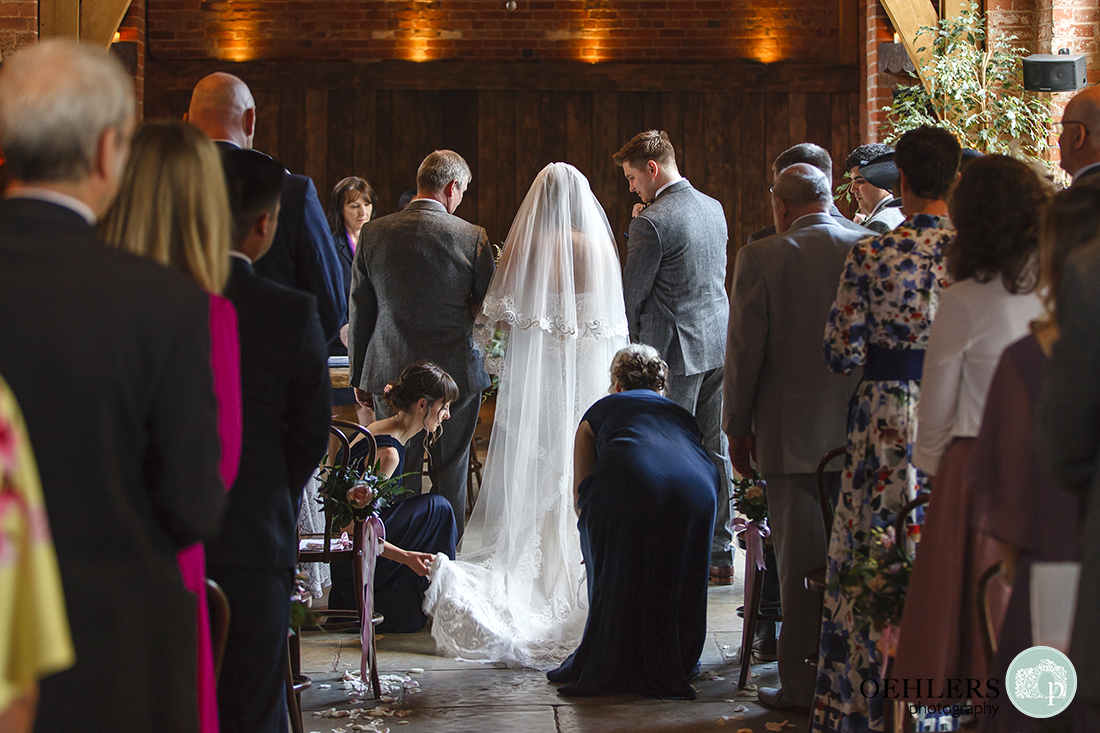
x: 802, y: 184
x: 57, y: 98
x: 809, y: 153
x: 440, y: 168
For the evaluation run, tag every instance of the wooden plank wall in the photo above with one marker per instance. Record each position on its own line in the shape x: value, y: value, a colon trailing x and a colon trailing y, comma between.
x: 725, y: 139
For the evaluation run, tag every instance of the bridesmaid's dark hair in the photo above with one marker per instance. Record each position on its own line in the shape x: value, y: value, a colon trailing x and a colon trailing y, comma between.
x: 1071, y: 221
x: 421, y: 379
x: 996, y: 208
x: 639, y: 366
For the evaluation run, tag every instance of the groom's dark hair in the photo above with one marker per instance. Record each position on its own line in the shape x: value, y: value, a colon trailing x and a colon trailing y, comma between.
x: 644, y: 147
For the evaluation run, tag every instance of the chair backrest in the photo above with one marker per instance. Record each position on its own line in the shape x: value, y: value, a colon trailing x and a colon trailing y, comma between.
x: 823, y: 497
x: 340, y: 457
x: 900, y: 533
x: 987, y: 628
x: 218, y: 605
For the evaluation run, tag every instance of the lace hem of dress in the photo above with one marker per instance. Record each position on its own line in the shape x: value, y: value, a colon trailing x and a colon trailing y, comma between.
x: 503, y: 310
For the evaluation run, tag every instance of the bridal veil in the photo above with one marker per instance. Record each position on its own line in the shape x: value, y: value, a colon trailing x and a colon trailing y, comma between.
x: 516, y: 593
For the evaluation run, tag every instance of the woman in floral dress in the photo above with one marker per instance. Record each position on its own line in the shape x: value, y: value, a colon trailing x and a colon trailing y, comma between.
x: 883, y: 310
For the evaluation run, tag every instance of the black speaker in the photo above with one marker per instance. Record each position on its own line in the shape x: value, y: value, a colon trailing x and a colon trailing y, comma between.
x: 1044, y: 72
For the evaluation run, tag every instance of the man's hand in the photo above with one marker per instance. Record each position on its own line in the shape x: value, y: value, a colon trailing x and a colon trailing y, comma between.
x: 344, y: 335
x: 364, y: 398
x: 742, y: 453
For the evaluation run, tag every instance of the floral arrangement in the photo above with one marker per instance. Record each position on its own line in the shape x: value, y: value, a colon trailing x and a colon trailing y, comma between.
x: 877, y: 579
x: 498, y: 344
x: 750, y: 498
x: 356, y: 492
x: 301, y: 614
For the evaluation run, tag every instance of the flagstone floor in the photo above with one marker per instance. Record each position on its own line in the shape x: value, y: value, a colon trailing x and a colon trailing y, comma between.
x: 456, y: 697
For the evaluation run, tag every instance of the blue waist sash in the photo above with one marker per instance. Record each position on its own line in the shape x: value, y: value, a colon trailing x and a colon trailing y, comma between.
x: 890, y: 365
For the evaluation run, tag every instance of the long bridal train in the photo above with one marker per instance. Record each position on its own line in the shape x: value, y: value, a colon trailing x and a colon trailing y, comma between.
x: 517, y: 592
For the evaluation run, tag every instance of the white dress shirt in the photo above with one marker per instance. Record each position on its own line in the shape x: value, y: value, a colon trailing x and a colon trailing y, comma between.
x: 973, y: 325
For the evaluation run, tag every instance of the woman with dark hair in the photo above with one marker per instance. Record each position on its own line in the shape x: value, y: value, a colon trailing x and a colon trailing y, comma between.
x: 996, y: 209
x: 350, y: 207
x: 646, y: 492
x: 420, y: 400
x: 1016, y: 501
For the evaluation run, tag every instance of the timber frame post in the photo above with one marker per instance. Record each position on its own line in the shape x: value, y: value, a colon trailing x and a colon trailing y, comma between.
x: 94, y: 21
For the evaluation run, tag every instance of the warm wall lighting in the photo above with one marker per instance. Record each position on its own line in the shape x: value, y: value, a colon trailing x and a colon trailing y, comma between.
x: 417, y: 49
x: 117, y: 38
x: 765, y: 50
x: 239, y: 35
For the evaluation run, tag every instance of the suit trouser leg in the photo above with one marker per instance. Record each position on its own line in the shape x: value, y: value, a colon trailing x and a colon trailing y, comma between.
x: 701, y: 395
x: 451, y: 455
x: 799, y: 538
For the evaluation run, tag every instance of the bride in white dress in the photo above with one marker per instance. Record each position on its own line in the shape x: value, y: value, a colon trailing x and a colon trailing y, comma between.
x: 516, y: 594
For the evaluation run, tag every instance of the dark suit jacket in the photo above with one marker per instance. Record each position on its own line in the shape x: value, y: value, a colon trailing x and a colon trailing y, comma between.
x: 416, y: 275
x: 835, y: 213
x: 109, y: 357
x: 285, y: 396
x: 674, y: 282
x: 1069, y: 439
x: 303, y: 255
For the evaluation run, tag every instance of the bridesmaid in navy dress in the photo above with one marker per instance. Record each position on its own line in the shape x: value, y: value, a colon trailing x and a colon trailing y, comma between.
x: 425, y: 524
x: 646, y: 492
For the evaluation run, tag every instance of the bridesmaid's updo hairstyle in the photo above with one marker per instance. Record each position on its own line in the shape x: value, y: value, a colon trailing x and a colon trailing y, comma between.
x: 421, y: 379
x: 639, y: 366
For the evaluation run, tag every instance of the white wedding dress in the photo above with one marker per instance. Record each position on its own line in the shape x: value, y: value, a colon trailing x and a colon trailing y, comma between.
x: 517, y: 593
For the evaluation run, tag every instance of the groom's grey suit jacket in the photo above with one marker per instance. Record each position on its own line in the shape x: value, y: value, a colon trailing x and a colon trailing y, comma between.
x: 777, y: 383
x: 415, y: 276
x: 674, y: 282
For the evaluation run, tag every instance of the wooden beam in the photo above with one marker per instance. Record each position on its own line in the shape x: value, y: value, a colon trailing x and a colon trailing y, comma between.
x: 59, y: 18
x: 100, y: 19
x: 908, y: 17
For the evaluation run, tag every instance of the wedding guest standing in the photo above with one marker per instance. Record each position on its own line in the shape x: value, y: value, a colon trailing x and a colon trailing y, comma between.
x: 645, y: 489
x: 674, y: 284
x: 173, y: 209
x: 1078, y: 146
x: 285, y: 390
x: 1016, y: 501
x: 996, y: 209
x: 418, y: 278
x: 873, y: 173
x: 782, y: 405
x: 32, y: 608
x: 350, y: 207
x: 303, y: 255
x: 885, y: 303
x: 128, y: 343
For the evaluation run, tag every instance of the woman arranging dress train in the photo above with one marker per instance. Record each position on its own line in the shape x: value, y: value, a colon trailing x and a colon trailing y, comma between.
x: 517, y: 594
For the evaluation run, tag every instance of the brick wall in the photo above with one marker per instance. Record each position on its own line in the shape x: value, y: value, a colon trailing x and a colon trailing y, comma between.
x: 18, y: 25
x: 132, y: 30
x: 878, y: 91
x: 419, y: 30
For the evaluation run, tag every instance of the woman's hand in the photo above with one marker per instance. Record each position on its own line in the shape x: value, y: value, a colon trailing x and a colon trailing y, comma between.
x: 638, y: 208
x: 419, y: 562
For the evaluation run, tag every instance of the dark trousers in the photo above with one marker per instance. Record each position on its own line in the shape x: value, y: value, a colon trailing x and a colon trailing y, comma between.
x: 450, y: 455
x: 252, y: 684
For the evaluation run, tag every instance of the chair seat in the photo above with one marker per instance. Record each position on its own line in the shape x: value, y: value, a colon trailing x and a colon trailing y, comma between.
x: 815, y: 580
x: 317, y: 544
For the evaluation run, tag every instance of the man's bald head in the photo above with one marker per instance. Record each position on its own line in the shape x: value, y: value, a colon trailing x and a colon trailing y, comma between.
x: 1080, y: 138
x: 222, y: 106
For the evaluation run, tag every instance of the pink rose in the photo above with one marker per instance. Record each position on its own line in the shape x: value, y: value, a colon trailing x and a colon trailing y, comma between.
x: 360, y: 495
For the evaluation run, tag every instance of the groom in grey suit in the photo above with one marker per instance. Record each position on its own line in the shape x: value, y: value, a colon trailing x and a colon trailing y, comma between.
x: 783, y: 406
x: 674, y: 287
x: 418, y: 278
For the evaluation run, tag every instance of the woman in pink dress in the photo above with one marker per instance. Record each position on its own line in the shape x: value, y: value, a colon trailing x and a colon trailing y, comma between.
x: 173, y: 208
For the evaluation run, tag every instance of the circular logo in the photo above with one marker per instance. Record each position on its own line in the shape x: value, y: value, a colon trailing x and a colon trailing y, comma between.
x: 1041, y: 682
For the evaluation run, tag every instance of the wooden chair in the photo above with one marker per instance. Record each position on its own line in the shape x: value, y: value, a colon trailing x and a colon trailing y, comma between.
x: 815, y: 580
x: 985, y: 616
x: 218, y: 606
x: 751, y: 613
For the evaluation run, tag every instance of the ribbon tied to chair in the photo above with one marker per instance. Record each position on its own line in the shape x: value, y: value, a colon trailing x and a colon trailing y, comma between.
x: 372, y: 535
x: 755, y: 533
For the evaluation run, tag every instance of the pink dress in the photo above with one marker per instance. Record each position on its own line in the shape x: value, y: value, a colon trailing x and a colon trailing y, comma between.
x: 226, y: 363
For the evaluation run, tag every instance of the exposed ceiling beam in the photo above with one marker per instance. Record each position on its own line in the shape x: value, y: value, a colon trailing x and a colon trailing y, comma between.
x: 100, y: 19
x: 908, y: 17
x: 58, y: 18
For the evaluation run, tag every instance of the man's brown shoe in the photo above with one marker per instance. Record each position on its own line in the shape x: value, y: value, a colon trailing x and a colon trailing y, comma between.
x: 721, y: 574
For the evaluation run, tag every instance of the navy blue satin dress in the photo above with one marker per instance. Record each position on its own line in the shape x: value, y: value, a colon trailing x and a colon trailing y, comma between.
x: 646, y: 521
x: 423, y: 523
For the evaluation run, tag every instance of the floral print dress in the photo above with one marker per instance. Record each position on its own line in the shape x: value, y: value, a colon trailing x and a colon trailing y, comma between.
x: 887, y: 297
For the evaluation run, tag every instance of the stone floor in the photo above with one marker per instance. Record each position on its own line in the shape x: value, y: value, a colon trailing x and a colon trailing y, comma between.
x: 458, y: 696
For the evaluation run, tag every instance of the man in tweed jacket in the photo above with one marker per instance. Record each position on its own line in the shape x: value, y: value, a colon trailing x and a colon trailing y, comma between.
x: 418, y: 277
x: 674, y: 286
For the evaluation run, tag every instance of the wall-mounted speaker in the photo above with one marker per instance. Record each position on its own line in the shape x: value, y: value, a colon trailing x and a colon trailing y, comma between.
x: 1044, y: 72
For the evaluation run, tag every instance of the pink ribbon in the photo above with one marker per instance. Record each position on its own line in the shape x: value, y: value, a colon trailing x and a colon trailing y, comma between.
x: 755, y: 532
x: 371, y: 534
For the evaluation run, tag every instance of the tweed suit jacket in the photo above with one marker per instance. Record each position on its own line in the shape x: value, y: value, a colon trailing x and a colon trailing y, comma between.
x: 417, y: 277
x: 674, y: 283
x: 834, y: 212
x: 1068, y: 435
x: 777, y: 384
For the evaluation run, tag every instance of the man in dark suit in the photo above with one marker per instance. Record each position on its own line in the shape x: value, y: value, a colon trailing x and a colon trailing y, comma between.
x: 819, y: 158
x: 109, y: 357
x: 674, y: 285
x: 418, y: 278
x: 285, y: 396
x: 783, y: 406
x: 1079, y: 136
x: 303, y: 255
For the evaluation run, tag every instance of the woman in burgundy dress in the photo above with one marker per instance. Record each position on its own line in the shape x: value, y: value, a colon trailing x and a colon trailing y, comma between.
x: 173, y: 208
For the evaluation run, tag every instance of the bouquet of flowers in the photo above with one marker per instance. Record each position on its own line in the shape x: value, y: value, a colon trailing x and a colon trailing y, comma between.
x: 356, y: 491
x: 877, y: 579
x: 750, y: 498
x: 301, y: 614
